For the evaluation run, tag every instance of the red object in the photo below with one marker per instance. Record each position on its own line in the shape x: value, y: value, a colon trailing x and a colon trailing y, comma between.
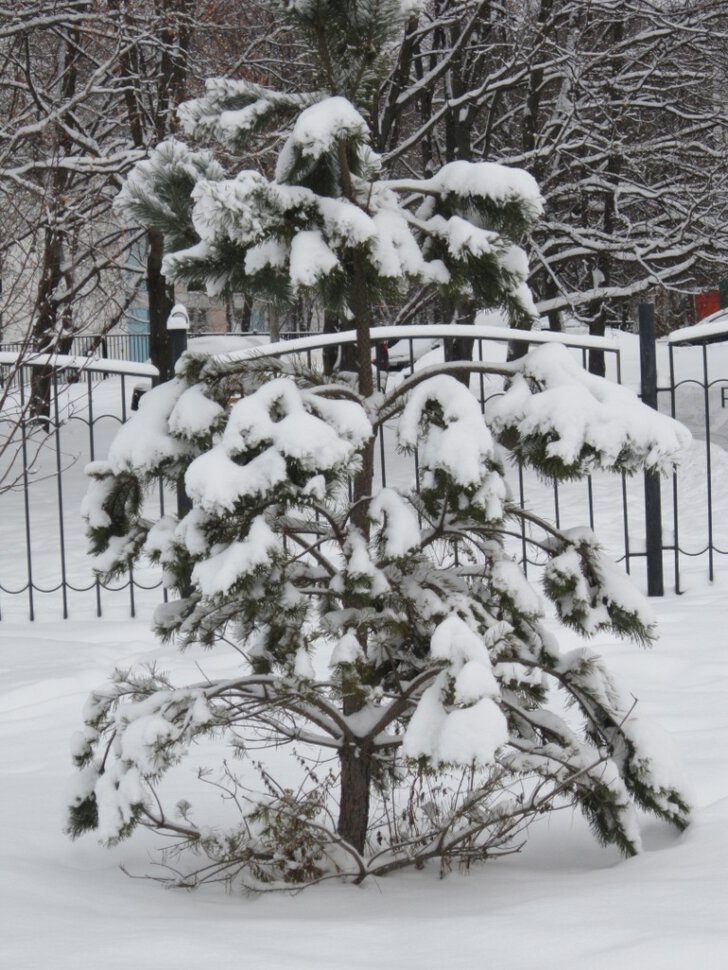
x: 706, y: 303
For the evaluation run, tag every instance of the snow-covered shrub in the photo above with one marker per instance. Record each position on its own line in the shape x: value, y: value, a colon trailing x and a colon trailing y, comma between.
x: 413, y: 650
x: 385, y: 634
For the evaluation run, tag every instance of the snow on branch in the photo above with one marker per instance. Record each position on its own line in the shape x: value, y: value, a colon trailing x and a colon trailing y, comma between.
x: 566, y: 422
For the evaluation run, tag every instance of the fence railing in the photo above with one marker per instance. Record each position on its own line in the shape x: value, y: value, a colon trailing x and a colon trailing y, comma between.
x: 42, y: 481
x: 123, y: 346
x: 696, y: 394
x: 42, y: 457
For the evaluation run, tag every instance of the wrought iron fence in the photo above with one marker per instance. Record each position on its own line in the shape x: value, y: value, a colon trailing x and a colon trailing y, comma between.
x: 697, y: 394
x: 83, y: 348
x: 42, y: 483
x: 42, y: 456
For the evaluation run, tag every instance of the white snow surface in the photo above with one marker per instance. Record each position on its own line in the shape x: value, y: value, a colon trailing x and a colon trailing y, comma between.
x: 93, y: 365
x: 716, y: 325
x: 564, y: 902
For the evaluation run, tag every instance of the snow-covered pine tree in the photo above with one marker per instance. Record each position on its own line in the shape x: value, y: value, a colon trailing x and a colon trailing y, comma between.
x: 386, y: 629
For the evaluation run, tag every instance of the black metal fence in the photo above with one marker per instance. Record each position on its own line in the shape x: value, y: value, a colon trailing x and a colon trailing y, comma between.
x: 696, y: 393
x: 42, y: 481
x: 48, y: 572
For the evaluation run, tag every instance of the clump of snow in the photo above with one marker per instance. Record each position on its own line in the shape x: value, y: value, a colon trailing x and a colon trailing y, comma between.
x: 277, y: 424
x: 658, y: 763
x: 317, y: 130
x: 97, y: 493
x: 474, y: 681
x: 411, y: 7
x: 488, y: 180
x: 144, y: 442
x: 458, y: 736
x: 194, y: 413
x: 395, y: 250
x: 347, y: 418
x: 400, y: 528
x: 119, y: 792
x: 221, y: 570
x: 469, y: 181
x: 119, y: 548
x: 311, y: 258
x: 347, y: 650
x: 464, y: 238
x: 345, y: 223
x: 454, y: 642
x: 472, y: 727
x: 588, y: 587
x: 589, y: 422
x: 170, y: 157
x: 515, y: 261
x: 141, y: 738
x: 216, y: 483
x: 271, y: 253
x: 160, y: 538
x: 225, y: 207
x: 278, y: 413
x: 315, y: 488
x: 302, y: 665
x: 233, y: 122
x: 455, y: 440
x: 359, y: 563
x: 508, y: 579
x: 191, y: 532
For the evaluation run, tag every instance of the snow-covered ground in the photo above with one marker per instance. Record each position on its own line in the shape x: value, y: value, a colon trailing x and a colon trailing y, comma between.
x: 562, y: 902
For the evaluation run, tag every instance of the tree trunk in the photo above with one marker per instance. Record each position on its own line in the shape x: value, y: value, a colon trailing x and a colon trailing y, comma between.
x: 554, y: 316
x: 160, y: 306
x: 460, y: 348
x: 613, y: 180
x: 356, y: 761
x: 45, y: 334
x: 246, y: 316
x: 354, y: 803
x: 46, y: 330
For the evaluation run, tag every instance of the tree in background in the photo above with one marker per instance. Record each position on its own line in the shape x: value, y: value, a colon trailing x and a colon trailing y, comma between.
x: 387, y: 633
x: 86, y: 90
x: 614, y: 107
x: 49, y: 184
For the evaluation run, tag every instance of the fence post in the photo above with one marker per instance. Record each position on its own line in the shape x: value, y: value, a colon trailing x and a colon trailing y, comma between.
x: 653, y: 497
x: 178, y: 323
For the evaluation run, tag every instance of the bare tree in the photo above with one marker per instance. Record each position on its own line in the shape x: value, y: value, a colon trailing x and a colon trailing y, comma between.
x: 614, y: 106
x: 87, y: 89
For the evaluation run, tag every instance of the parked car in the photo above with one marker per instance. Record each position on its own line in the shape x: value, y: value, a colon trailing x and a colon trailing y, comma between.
x: 402, y: 354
